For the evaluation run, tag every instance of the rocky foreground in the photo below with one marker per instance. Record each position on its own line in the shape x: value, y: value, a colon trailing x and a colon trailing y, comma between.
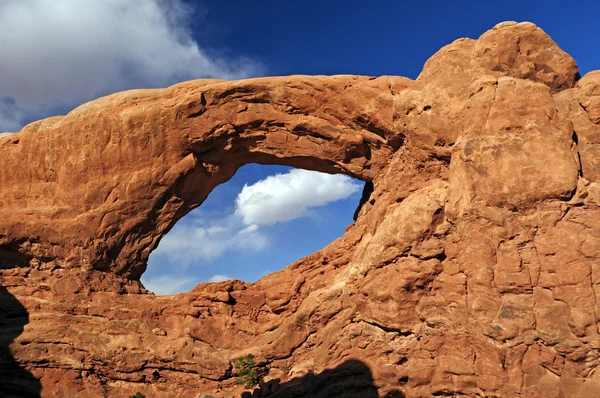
x: 473, y: 268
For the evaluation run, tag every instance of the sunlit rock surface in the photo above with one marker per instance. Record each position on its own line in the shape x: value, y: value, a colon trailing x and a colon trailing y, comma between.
x: 473, y: 268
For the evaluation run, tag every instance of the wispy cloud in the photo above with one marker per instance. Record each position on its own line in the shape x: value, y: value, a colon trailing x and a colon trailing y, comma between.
x: 169, y: 284
x: 198, y: 241
x: 285, y: 197
x: 62, y: 53
x: 219, y: 278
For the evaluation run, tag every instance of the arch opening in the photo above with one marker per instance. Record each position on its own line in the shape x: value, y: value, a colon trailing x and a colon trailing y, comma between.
x: 261, y: 220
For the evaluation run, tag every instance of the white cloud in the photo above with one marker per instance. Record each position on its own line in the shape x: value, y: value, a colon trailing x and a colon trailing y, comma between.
x: 191, y: 242
x: 280, y: 197
x: 63, y: 53
x: 199, y: 239
x: 219, y: 278
x: 169, y: 284
x: 284, y: 197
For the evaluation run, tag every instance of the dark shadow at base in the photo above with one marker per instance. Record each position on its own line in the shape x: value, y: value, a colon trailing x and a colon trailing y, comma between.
x: 14, y: 380
x: 351, y: 379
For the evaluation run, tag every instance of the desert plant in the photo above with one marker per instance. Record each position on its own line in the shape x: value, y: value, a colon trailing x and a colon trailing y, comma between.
x: 286, y: 367
x: 245, y: 369
x: 138, y: 395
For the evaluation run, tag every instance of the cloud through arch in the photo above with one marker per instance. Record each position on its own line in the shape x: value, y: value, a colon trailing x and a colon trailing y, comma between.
x: 284, y: 197
x: 246, y: 229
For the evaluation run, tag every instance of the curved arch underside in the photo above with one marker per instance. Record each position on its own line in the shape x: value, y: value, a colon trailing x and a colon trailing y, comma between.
x: 473, y: 269
x: 146, y: 157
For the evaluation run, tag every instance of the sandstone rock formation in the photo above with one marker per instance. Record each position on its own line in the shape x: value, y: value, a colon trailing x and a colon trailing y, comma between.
x: 472, y: 270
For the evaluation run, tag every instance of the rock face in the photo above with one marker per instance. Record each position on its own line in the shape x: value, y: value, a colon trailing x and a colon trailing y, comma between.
x: 473, y: 269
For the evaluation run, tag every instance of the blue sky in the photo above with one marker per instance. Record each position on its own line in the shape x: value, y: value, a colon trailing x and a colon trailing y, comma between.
x: 57, y: 55
x: 382, y: 37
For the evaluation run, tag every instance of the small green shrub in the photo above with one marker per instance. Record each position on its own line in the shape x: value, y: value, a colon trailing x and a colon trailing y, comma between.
x: 245, y: 368
x: 286, y: 367
x: 138, y: 395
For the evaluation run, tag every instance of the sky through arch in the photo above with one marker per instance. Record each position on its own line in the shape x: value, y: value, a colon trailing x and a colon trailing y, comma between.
x: 261, y: 220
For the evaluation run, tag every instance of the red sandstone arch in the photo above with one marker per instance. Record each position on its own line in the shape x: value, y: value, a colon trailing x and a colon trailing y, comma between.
x: 101, y: 185
x: 475, y: 271
x: 145, y: 158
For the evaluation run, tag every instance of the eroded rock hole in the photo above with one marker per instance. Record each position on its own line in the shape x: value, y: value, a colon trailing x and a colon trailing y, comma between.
x: 263, y: 219
x: 366, y: 195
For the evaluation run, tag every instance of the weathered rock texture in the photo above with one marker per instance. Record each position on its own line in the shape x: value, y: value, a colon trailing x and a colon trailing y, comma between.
x: 472, y: 270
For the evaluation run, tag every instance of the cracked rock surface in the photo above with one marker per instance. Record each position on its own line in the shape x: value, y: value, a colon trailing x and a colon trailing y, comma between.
x: 473, y: 268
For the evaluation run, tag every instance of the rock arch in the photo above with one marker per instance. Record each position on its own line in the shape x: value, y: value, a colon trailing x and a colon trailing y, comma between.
x: 473, y: 268
x: 106, y: 181
x: 144, y: 158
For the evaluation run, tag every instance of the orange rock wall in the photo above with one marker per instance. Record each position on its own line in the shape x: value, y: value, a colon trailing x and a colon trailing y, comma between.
x: 473, y: 270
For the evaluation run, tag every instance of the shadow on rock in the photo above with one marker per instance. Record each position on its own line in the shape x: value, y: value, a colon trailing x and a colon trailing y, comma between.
x: 14, y: 380
x: 351, y: 379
